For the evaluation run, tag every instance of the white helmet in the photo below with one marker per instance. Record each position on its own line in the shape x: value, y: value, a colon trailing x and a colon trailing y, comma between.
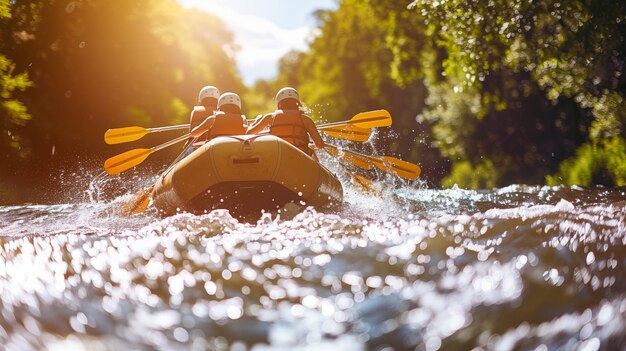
x: 229, y: 99
x: 287, y: 93
x: 208, y: 92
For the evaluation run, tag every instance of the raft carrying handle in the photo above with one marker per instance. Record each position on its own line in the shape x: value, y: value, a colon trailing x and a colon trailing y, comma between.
x: 241, y: 161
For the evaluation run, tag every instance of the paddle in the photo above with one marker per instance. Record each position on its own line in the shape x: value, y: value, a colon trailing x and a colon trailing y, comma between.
x: 370, y: 119
x: 128, y: 134
x: 355, y: 160
x: 349, y: 132
x: 141, y: 200
x: 138, y: 203
x: 389, y: 164
x: 363, y: 183
x: 132, y: 158
x: 356, y: 129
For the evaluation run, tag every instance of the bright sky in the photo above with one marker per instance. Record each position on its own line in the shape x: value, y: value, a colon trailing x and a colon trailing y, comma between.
x: 264, y: 29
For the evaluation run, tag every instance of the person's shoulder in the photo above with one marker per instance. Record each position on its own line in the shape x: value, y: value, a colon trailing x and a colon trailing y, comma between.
x: 304, y: 115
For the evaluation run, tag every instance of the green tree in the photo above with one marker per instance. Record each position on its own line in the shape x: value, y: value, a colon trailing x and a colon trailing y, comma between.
x: 13, y: 112
x: 99, y: 64
x: 259, y: 99
x: 351, y: 66
x: 504, y: 59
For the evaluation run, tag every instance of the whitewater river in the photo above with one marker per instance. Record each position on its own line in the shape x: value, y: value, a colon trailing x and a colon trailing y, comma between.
x: 517, y: 268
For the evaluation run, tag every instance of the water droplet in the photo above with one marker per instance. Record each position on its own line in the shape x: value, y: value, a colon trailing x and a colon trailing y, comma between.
x: 590, y: 345
x: 181, y: 335
x: 590, y: 258
x: 234, y: 312
x: 605, y: 315
x: 210, y: 288
x: 70, y: 7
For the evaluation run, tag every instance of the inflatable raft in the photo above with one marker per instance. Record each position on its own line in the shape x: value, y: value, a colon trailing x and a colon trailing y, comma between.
x: 245, y: 174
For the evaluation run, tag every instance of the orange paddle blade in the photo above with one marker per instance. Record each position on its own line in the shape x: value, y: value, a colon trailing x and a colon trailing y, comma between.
x: 389, y: 164
x: 350, y: 157
x: 372, y: 119
x: 142, y: 205
x: 137, y: 204
x: 129, y: 159
x: 357, y: 160
x: 349, y: 132
x: 399, y: 167
x: 363, y: 183
x: 124, y: 135
x: 332, y: 150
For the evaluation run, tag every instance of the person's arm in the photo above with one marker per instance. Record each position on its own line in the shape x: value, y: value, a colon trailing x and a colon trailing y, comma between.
x: 195, y: 118
x: 203, y: 127
x: 259, y: 125
x: 311, y: 128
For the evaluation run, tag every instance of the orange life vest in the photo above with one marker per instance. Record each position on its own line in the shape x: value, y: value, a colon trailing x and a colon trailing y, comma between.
x: 226, y: 124
x: 198, y: 115
x: 288, y: 125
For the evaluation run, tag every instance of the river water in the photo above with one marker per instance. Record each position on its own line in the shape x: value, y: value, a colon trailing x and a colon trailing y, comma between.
x: 404, y: 268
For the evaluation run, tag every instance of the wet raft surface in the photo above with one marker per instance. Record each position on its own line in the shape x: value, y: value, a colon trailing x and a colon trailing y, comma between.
x: 515, y: 268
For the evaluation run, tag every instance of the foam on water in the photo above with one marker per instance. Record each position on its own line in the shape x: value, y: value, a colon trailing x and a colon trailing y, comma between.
x: 404, y: 267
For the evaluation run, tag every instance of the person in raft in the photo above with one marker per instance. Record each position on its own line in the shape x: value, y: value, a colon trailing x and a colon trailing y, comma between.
x: 227, y: 120
x: 290, y: 123
x: 207, y: 98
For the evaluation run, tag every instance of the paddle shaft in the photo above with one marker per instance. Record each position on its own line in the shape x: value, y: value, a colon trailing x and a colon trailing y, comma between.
x: 168, y: 128
x: 180, y: 156
x: 169, y: 143
x: 356, y: 129
x: 321, y: 126
x: 379, y: 161
x: 128, y: 134
x: 345, y: 123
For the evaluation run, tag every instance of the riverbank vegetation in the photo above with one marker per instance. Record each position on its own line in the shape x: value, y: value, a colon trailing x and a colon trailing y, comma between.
x: 483, y: 93
x: 77, y: 68
x: 506, y: 91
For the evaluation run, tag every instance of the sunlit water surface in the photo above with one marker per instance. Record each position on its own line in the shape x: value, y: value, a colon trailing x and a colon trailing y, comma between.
x: 516, y: 268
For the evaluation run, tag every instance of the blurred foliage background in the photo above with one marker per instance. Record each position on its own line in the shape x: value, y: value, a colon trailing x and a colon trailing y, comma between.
x: 69, y: 70
x: 483, y: 93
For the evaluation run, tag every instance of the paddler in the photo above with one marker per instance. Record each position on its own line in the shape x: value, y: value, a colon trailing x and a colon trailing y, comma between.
x: 207, y: 98
x: 227, y: 120
x: 290, y: 123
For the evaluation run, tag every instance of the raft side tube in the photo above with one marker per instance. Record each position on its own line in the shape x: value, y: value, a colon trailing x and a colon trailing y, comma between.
x: 229, y: 172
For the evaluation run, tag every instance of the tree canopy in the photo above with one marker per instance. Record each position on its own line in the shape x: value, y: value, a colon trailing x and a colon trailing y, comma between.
x: 505, y: 90
x: 91, y: 65
x: 552, y: 71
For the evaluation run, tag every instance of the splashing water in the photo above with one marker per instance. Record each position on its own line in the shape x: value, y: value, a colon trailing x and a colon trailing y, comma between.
x: 403, y: 268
